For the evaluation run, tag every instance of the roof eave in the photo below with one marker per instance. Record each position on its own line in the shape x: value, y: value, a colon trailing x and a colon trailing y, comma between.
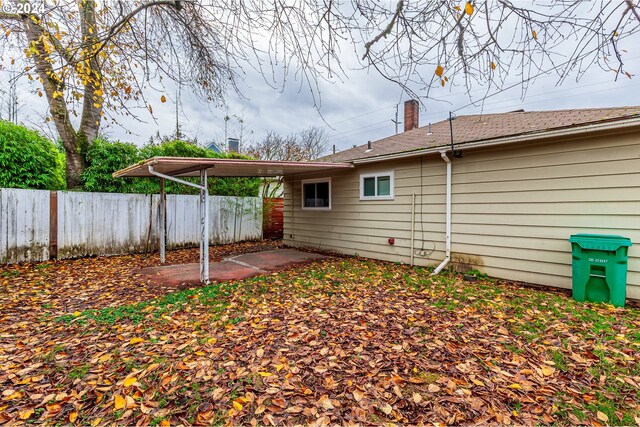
x: 565, y: 132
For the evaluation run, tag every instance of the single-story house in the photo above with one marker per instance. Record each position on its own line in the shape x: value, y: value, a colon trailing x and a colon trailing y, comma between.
x: 500, y: 193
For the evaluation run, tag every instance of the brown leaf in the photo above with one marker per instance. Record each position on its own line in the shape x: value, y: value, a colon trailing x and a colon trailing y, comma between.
x: 325, y: 402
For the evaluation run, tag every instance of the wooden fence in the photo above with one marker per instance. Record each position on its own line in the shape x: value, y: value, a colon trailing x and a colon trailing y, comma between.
x: 273, y: 218
x: 36, y: 225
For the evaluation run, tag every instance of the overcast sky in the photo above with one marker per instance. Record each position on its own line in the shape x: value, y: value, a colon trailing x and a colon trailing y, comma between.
x: 352, y: 111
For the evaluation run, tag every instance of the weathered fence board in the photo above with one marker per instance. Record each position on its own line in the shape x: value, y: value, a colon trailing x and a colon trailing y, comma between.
x: 108, y: 224
x: 24, y: 225
x: 104, y: 223
x: 231, y: 219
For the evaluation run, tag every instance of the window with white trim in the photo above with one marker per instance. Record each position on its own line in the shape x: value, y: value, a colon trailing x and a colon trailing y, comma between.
x: 316, y: 194
x: 377, y: 186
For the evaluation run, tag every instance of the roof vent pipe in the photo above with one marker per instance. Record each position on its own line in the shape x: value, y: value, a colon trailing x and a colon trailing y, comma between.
x: 368, y: 145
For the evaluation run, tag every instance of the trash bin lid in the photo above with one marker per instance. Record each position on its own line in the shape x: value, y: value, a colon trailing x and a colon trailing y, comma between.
x: 603, y: 242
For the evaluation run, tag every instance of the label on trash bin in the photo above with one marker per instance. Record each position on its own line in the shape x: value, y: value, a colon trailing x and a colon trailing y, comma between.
x: 600, y: 260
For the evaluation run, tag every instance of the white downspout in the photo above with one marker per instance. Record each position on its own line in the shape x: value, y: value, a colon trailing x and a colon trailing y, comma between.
x: 447, y: 237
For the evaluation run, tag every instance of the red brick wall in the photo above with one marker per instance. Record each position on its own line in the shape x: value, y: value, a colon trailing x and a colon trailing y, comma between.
x: 411, y: 114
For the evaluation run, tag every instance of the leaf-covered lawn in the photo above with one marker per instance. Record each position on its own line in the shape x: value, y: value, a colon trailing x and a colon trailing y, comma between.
x: 343, y: 341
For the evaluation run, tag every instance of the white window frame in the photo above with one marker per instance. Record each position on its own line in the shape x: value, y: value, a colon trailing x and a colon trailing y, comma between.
x: 376, y: 175
x: 315, y: 181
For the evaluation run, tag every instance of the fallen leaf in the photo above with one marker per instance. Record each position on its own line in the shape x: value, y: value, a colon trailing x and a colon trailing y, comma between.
x: 130, y: 381
x: 385, y: 408
x: 119, y: 402
x: 602, y: 416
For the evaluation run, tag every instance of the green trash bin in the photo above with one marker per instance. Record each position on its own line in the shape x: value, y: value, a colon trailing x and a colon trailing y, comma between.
x: 600, y: 268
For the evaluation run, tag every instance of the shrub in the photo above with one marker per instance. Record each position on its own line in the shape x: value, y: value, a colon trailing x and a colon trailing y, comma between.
x: 29, y: 160
x: 106, y: 157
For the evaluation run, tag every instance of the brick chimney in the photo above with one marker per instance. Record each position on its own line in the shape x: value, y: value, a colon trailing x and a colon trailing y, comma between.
x: 411, y: 114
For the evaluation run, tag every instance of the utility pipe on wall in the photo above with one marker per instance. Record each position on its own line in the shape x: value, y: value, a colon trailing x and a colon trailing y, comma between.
x: 447, y: 258
x: 413, y: 226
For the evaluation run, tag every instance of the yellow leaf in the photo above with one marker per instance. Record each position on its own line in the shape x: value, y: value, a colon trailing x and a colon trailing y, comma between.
x: 602, y: 416
x: 8, y: 32
x: 130, y: 381
x: 96, y: 422
x: 150, y: 109
x: 265, y: 374
x: 163, y: 98
x: 165, y: 423
x: 468, y: 8
x: 458, y: 8
x: 515, y: 386
x: 237, y: 405
x: 547, y: 371
x: 73, y: 416
x: 442, y: 83
x: 439, y: 71
x: 119, y: 402
x: 535, y: 35
x: 136, y: 340
x: 493, y: 65
x: 104, y: 357
x: 26, y: 413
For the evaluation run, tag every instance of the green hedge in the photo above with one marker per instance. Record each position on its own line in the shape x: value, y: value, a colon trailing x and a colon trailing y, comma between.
x: 106, y: 157
x: 29, y: 160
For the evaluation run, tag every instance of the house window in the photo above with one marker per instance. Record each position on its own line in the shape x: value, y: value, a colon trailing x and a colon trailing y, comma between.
x: 316, y: 194
x: 376, y: 186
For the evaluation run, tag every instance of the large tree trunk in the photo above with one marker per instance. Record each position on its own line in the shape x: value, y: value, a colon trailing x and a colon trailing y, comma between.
x: 75, y: 143
x: 54, y: 91
x: 75, y: 166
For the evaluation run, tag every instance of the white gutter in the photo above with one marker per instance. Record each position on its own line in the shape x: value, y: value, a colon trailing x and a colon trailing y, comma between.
x: 609, y: 126
x: 447, y: 237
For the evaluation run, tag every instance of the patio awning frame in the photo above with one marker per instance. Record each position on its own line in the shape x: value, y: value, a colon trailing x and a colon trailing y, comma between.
x: 172, y: 168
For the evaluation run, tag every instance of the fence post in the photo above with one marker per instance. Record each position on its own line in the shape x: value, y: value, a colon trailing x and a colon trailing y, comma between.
x: 53, y: 224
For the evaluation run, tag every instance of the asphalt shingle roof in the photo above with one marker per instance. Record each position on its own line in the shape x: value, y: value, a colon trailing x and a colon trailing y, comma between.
x: 481, y: 127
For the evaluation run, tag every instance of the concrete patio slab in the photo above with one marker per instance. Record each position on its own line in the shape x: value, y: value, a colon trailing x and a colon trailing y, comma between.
x: 234, y: 268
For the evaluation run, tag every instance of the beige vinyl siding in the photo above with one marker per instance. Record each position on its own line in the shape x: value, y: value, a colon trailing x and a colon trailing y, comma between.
x: 363, y: 227
x: 513, y: 208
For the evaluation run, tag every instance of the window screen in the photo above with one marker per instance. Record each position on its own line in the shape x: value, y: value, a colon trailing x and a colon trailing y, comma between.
x: 384, y: 186
x: 369, y: 187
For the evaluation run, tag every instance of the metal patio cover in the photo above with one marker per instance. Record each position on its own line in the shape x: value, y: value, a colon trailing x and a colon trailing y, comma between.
x: 174, y: 168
